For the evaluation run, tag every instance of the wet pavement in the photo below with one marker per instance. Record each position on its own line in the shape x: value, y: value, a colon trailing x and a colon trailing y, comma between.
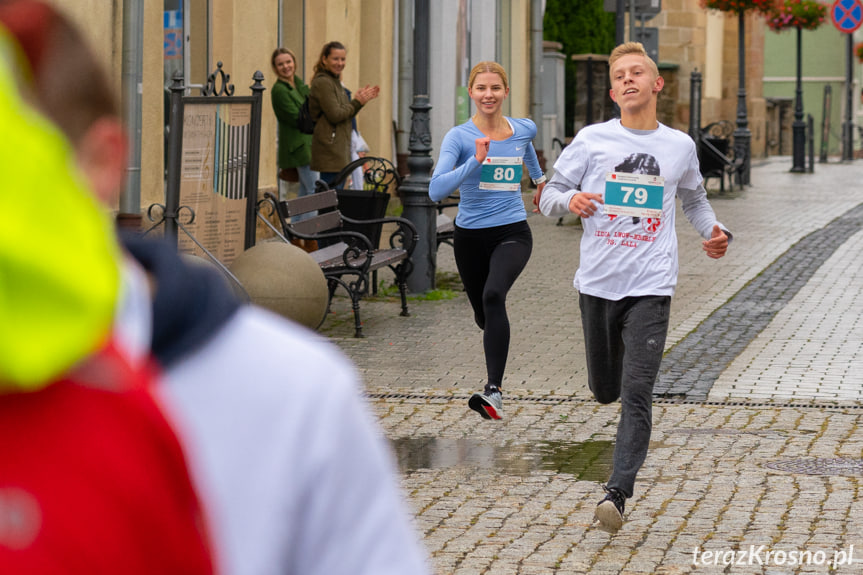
x: 755, y: 461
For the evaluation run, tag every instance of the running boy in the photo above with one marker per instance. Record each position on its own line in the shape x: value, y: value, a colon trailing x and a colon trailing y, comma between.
x: 621, y: 177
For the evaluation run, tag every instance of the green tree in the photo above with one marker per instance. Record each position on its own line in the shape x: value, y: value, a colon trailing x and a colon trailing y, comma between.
x: 583, y: 27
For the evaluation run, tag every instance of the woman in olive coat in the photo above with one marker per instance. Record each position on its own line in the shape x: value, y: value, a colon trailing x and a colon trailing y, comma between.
x: 333, y: 111
x: 295, y: 148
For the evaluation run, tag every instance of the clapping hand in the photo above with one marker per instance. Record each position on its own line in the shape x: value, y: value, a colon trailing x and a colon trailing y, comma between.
x: 367, y: 93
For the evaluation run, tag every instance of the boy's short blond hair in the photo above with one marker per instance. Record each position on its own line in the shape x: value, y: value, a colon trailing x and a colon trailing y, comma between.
x: 627, y: 49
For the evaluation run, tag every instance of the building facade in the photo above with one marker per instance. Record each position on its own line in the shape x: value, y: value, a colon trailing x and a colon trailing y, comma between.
x: 691, y: 38
x: 191, y: 36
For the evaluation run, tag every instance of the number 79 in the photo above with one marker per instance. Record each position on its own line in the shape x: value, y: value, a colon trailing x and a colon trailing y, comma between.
x: 640, y: 194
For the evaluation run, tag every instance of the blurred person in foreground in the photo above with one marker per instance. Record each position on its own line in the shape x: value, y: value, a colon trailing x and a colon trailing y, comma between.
x: 92, y: 477
x: 283, y: 489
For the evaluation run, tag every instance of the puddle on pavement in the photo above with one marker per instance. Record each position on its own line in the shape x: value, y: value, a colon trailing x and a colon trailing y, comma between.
x: 587, y: 461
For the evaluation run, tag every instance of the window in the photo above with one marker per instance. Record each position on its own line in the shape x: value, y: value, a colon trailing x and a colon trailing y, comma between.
x: 186, y: 49
x: 187, y: 41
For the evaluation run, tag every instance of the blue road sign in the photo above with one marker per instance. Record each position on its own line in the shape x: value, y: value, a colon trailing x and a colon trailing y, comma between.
x: 847, y: 15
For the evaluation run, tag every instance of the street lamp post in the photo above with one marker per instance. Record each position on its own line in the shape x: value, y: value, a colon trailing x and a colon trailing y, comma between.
x: 418, y: 206
x: 848, y: 124
x: 619, y: 22
x: 798, y: 127
x: 742, y: 135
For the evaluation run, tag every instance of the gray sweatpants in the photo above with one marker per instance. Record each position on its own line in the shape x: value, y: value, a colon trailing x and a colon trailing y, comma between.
x: 624, y: 341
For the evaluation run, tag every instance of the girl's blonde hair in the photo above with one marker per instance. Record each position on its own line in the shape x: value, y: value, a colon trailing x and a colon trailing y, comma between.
x: 492, y: 67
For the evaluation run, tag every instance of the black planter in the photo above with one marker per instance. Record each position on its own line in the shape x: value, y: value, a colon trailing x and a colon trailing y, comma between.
x: 364, y: 205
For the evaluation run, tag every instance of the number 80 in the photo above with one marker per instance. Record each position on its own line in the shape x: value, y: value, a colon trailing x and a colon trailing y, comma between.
x: 504, y: 173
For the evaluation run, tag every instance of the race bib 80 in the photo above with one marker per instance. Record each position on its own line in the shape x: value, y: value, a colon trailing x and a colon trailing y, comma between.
x: 501, y: 174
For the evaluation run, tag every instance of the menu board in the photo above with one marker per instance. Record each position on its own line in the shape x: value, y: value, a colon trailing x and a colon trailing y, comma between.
x: 213, y: 169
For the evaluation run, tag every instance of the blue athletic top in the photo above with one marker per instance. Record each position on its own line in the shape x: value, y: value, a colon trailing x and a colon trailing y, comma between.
x: 491, y: 193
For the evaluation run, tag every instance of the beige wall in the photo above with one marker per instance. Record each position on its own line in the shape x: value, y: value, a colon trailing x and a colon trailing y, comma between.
x: 375, y: 121
x: 519, y: 72
x: 152, y: 113
x: 244, y: 36
x: 101, y: 22
x: 714, y: 48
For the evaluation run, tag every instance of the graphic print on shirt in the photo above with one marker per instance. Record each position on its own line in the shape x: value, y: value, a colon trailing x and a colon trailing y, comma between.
x: 641, y: 163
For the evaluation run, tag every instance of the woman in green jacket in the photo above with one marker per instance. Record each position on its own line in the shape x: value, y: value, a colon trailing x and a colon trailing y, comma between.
x: 333, y: 111
x: 295, y: 148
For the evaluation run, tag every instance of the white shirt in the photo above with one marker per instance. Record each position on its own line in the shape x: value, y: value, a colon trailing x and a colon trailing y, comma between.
x: 622, y: 257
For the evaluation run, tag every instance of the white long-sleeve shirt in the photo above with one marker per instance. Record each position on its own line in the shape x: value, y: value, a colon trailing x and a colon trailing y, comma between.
x: 622, y: 256
x: 485, y: 201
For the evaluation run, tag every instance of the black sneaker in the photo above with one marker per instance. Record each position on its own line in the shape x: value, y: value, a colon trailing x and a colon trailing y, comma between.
x: 489, y: 404
x: 609, y: 512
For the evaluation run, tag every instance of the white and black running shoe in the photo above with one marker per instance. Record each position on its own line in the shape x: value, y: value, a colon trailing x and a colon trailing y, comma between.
x: 489, y: 404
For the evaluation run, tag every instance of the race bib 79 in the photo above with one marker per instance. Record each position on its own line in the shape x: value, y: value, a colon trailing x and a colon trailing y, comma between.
x: 637, y: 195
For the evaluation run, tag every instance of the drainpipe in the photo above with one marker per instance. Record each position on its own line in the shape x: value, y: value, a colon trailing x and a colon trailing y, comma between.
x: 133, y: 73
x: 537, y: 11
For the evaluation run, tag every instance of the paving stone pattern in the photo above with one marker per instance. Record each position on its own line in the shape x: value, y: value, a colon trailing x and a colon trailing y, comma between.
x: 691, y: 367
x: 518, y: 496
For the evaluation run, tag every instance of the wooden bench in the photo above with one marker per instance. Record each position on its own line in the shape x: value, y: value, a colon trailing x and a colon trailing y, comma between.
x: 445, y: 225
x: 346, y: 257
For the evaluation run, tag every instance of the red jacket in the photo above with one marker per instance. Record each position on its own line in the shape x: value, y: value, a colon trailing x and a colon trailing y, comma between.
x: 93, y: 480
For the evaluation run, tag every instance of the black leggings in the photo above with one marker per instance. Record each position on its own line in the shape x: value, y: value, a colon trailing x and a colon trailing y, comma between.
x: 489, y: 260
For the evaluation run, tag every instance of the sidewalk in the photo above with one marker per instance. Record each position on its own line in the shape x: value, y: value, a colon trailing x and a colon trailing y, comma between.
x: 761, y: 377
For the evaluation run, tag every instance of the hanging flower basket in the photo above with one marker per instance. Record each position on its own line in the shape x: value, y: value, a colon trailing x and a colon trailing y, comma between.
x: 739, y: 6
x: 803, y: 14
x: 858, y: 51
